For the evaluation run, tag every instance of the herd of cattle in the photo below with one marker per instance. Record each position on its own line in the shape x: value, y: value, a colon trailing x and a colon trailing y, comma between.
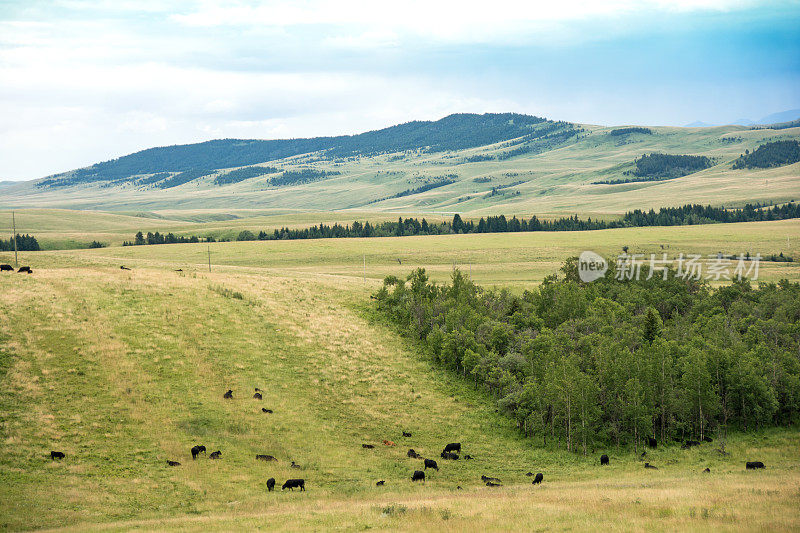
x: 450, y: 453
x: 9, y: 268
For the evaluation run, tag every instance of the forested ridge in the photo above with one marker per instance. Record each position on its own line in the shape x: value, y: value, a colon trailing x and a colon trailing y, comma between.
x: 772, y: 154
x: 580, y: 365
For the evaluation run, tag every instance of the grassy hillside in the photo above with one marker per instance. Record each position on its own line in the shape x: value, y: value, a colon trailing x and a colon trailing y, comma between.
x: 123, y: 370
x: 517, y: 172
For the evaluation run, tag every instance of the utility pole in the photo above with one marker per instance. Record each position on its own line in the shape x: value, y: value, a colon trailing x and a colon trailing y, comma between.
x: 14, y: 236
x: 209, y: 258
x: 365, y: 269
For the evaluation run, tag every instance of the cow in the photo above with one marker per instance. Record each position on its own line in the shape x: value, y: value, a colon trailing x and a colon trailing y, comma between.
x: 388, y: 443
x: 707, y: 471
x: 262, y: 457
x: 173, y: 463
x: 453, y: 447
x: 449, y: 455
x: 196, y: 450
x: 493, y: 484
x: 215, y: 455
x: 430, y: 463
x: 294, y: 465
x: 487, y: 479
x: 653, y: 443
x: 467, y: 456
x: 418, y: 475
x: 291, y: 484
x: 258, y: 390
x: 257, y: 396
x: 753, y: 465
x: 689, y: 443
x: 270, y: 484
x: 406, y: 434
x: 604, y: 460
x: 650, y: 467
x: 228, y: 395
x: 265, y: 410
x: 529, y: 474
x: 411, y: 453
x: 538, y: 479
x: 4, y: 268
x: 380, y: 483
x: 368, y: 446
x: 123, y: 267
x: 25, y: 270
x: 57, y: 455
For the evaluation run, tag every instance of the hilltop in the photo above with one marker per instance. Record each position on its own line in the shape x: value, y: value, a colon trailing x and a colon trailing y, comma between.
x: 466, y: 163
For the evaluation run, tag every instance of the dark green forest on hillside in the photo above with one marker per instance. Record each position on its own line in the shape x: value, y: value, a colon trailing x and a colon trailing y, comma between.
x: 659, y: 167
x: 454, y: 132
x: 579, y: 365
x: 772, y: 154
x: 25, y: 243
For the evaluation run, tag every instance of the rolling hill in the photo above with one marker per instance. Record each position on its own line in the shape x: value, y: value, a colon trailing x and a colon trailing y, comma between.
x: 466, y: 163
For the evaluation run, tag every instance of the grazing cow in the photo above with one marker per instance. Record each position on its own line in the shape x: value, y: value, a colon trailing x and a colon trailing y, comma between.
x: 265, y: 410
x: 453, y: 447
x: 411, y: 453
x: 459, y: 488
x: 380, y: 483
x: 707, y: 471
x: 487, y: 479
x: 294, y: 465
x: 653, y: 443
x: 467, y: 456
x: 258, y: 390
x: 215, y: 455
x: 368, y: 446
x: 752, y: 465
x: 538, y: 479
x: 418, y: 475
x: 25, y: 270
x: 689, y: 443
x: 257, y: 396
x: 430, y: 463
x: 173, y: 463
x: 529, y: 474
x: 650, y: 467
x: 604, y: 460
x: 4, y: 268
x: 493, y: 484
x: 291, y: 484
x: 122, y: 267
x: 270, y: 484
x: 262, y: 457
x: 449, y: 455
x: 228, y: 395
x: 56, y: 455
x: 388, y: 443
x: 196, y: 450
x: 406, y: 434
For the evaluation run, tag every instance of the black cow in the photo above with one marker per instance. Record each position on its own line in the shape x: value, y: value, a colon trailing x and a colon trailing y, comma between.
x: 538, y: 479
x: 418, y: 475
x: 270, y: 484
x: 380, y: 483
x: 603, y: 460
x: 215, y: 455
x: 406, y: 434
x: 4, y: 268
x: 689, y: 443
x: 293, y: 465
x: 173, y: 463
x: 411, y: 453
x: 487, y: 479
x: 291, y: 484
x: 60, y: 455
x: 653, y: 443
x: 196, y: 450
x: 467, y: 456
x: 649, y: 466
x: 449, y: 455
x: 707, y: 471
x: 430, y: 463
x: 257, y: 396
x: 265, y: 410
x: 122, y: 267
x: 529, y: 474
x: 453, y: 447
x: 25, y: 270
x: 493, y: 484
x: 228, y: 395
x: 368, y: 446
x: 262, y: 457
x: 753, y: 465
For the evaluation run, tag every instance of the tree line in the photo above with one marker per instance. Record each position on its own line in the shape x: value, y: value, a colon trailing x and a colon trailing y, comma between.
x: 772, y: 154
x: 25, y: 243
x: 690, y: 214
x: 581, y: 365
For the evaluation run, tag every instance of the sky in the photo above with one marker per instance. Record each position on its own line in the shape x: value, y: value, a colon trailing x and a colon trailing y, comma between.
x: 85, y: 81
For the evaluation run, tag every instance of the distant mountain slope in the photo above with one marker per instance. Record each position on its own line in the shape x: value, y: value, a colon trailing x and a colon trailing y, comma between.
x: 454, y: 132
